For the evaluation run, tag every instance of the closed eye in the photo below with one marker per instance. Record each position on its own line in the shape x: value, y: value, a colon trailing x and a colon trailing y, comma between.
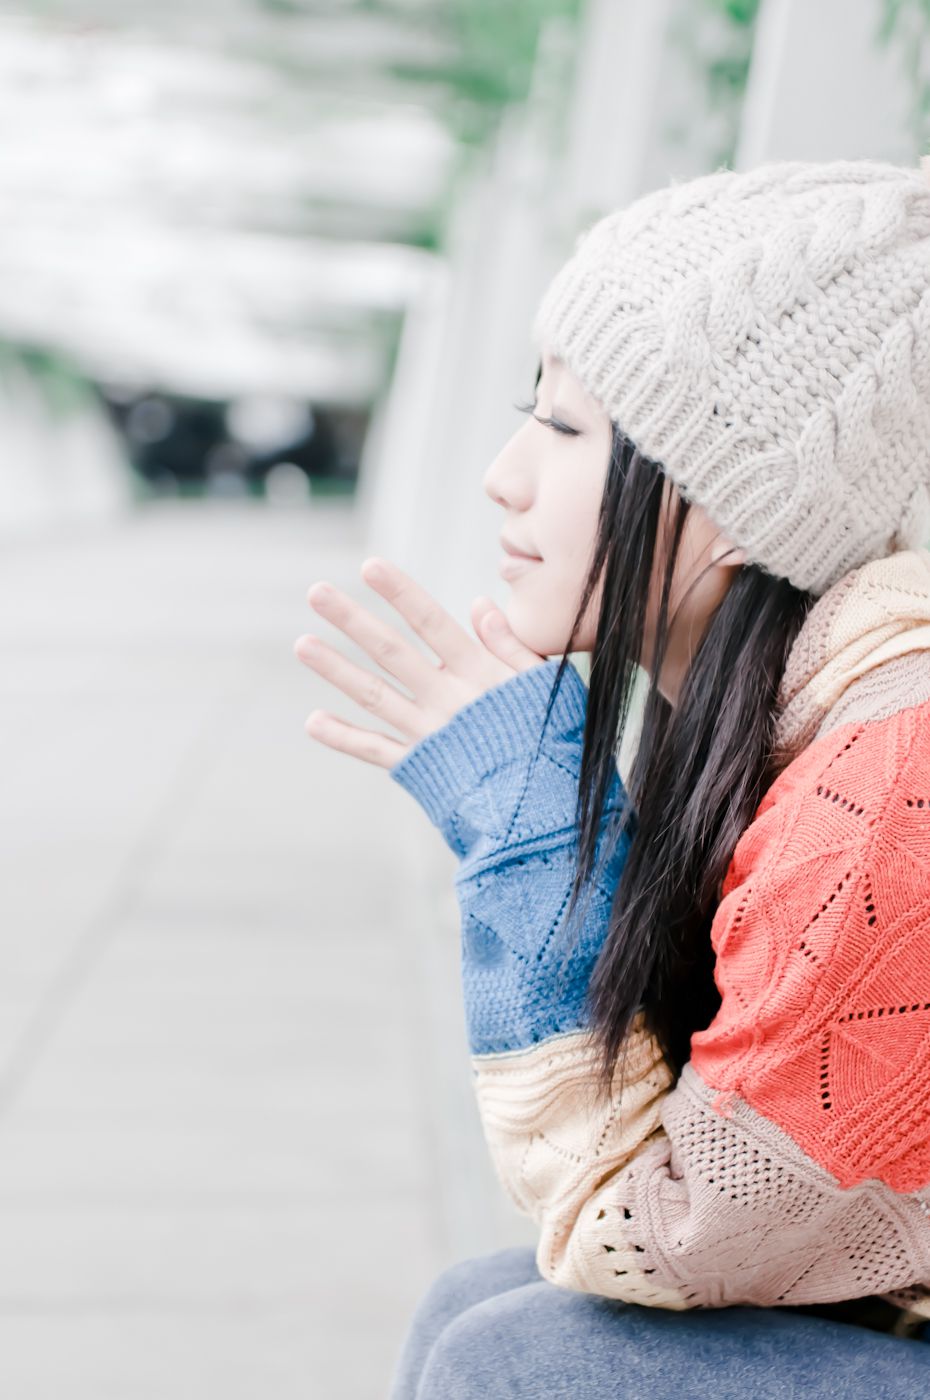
x: 555, y: 423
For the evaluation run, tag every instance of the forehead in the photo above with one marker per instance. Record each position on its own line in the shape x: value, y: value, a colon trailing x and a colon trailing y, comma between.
x: 566, y: 384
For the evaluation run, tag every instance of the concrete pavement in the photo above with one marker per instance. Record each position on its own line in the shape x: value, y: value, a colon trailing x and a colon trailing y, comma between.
x: 237, y: 1137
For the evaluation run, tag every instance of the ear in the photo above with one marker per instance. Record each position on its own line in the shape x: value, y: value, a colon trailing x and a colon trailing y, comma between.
x: 722, y: 546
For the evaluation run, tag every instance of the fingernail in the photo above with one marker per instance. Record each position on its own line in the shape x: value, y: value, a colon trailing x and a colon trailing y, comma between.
x: 320, y: 593
x: 373, y: 572
x: 496, y: 622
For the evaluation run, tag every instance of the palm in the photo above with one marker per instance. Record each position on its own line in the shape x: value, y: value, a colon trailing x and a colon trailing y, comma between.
x: 466, y: 666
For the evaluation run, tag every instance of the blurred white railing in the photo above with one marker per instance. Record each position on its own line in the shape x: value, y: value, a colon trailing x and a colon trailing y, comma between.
x: 820, y: 85
x: 56, y: 466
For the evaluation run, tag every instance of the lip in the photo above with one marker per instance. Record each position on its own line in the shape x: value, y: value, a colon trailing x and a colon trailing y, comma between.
x: 515, y: 550
x: 513, y: 565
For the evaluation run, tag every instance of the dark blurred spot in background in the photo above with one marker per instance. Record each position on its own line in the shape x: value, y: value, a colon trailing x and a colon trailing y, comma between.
x: 257, y: 446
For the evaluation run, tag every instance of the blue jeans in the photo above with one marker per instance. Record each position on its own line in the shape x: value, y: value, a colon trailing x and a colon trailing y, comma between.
x: 492, y: 1329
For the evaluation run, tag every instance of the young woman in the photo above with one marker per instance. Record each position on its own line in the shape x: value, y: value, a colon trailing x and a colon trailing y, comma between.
x: 698, y: 1004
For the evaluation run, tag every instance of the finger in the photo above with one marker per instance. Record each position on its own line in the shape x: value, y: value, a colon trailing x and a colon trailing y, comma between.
x: 440, y: 631
x: 499, y: 638
x: 366, y: 744
x: 383, y: 643
x: 479, y: 608
x: 373, y: 693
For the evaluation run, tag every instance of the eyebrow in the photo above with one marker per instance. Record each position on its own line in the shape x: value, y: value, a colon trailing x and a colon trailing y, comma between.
x: 557, y: 411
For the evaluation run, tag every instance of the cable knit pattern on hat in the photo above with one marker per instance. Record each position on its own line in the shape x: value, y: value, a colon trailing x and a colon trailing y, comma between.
x: 765, y: 336
x: 790, y: 1162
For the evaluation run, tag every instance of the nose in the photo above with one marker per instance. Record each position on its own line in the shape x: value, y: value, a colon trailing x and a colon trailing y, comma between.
x: 509, y: 479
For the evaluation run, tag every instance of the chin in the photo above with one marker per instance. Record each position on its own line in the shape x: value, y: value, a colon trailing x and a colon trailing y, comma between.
x: 544, y: 635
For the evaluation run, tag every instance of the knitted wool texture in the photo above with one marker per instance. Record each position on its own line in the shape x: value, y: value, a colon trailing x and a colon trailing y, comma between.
x: 765, y: 337
x: 822, y: 1031
x: 790, y: 1163
x: 473, y: 781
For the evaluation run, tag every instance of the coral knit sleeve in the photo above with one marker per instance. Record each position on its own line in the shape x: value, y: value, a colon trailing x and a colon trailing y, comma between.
x: 823, y: 955
x: 790, y: 1162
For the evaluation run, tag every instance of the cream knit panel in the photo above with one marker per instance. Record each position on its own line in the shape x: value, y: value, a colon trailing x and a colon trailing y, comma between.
x: 669, y: 1202
x: 892, y: 687
x: 724, y: 1212
x: 874, y: 616
x: 550, y: 1148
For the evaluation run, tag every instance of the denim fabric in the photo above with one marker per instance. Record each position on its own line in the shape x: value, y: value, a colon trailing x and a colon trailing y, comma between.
x: 490, y: 1328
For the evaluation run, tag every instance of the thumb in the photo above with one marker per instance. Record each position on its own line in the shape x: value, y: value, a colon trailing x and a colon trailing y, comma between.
x: 495, y: 632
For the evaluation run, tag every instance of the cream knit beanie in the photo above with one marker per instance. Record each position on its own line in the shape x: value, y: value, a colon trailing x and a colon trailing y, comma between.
x: 765, y: 337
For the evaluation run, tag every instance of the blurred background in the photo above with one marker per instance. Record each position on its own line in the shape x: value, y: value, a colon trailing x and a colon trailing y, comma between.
x: 267, y: 273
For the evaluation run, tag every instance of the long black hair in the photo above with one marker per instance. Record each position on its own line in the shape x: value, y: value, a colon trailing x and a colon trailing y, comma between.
x: 700, y: 767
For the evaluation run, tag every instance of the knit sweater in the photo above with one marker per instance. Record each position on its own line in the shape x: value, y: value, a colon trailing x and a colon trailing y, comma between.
x: 789, y: 1163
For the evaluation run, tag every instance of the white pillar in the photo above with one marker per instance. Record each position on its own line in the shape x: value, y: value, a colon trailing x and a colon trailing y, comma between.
x: 55, y: 469
x: 821, y: 87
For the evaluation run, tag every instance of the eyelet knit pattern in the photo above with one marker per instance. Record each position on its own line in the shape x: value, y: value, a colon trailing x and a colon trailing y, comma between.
x: 790, y: 1162
x: 765, y: 336
x: 822, y: 942
x: 512, y: 824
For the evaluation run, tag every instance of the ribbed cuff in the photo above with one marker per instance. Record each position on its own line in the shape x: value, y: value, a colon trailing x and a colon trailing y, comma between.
x: 497, y: 727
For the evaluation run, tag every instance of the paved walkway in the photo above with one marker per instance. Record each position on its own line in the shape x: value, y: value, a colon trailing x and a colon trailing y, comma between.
x: 237, y: 1137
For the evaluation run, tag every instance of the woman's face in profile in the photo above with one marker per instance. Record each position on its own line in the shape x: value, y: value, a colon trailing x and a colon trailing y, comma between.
x: 549, y: 478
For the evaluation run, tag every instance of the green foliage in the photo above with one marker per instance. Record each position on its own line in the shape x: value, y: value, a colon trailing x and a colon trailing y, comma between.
x: 739, y: 11
x: 726, y: 73
x: 894, y: 11
x: 907, y: 24
x: 718, y: 36
x: 490, y: 50
x: 479, y: 57
x: 64, y: 388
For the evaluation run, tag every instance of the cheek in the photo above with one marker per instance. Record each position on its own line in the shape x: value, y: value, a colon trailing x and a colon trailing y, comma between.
x: 567, y: 533
x: 542, y: 603
x: 567, y: 511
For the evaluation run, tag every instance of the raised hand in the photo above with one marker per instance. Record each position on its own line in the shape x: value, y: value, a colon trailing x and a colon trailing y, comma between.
x: 466, y: 668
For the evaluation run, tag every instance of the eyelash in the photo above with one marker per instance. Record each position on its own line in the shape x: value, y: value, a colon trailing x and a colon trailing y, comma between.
x: 547, y: 422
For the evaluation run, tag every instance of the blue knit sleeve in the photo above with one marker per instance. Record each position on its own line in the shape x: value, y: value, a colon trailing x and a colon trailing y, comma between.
x: 505, y: 803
